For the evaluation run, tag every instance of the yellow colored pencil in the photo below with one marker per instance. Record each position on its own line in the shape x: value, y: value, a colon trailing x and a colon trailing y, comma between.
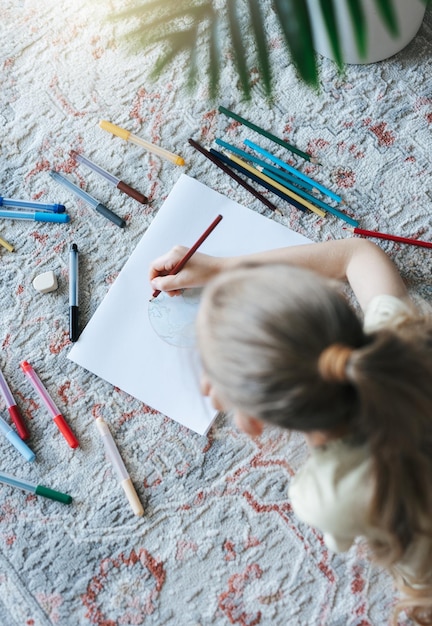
x: 276, y: 185
x: 6, y: 244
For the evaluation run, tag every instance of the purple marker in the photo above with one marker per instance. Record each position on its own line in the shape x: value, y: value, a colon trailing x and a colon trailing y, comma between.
x: 16, y: 416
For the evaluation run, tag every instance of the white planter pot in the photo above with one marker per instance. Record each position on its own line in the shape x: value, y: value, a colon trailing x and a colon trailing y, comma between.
x: 380, y: 43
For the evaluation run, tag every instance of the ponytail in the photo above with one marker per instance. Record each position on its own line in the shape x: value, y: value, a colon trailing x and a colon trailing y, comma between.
x: 393, y: 376
x: 297, y: 356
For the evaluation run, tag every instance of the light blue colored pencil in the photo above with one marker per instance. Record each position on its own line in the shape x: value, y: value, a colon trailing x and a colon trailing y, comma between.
x: 310, y: 197
x: 274, y: 159
x: 250, y: 157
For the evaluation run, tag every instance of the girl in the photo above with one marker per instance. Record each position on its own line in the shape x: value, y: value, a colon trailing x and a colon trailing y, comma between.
x: 280, y: 344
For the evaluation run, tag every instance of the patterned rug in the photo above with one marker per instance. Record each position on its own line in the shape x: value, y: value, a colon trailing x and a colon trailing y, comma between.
x: 218, y: 543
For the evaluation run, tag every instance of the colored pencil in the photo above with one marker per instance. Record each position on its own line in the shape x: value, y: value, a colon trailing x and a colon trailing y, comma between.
x: 267, y: 134
x: 251, y: 157
x: 288, y: 192
x: 327, y: 192
x: 233, y: 175
x: 225, y: 159
x: 378, y: 235
x: 6, y: 244
x: 180, y: 265
x: 311, y: 198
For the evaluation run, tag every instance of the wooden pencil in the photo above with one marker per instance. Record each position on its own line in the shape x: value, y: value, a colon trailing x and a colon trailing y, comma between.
x: 276, y: 185
x: 308, y: 196
x: 295, y: 180
x: 378, y: 235
x: 266, y: 133
x: 180, y: 265
x: 233, y: 175
x: 286, y: 166
x: 225, y: 159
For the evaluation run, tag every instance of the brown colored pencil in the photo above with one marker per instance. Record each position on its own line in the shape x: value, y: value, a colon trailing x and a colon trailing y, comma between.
x: 180, y: 265
x: 233, y: 175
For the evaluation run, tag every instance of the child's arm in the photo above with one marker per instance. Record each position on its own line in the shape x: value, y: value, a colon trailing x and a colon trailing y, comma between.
x: 367, y: 268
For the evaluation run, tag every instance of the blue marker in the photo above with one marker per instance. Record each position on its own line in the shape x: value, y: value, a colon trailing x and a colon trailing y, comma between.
x: 287, y: 167
x: 38, y: 206
x: 16, y: 441
x: 38, y: 216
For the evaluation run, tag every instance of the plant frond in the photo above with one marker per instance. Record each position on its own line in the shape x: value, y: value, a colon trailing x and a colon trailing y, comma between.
x: 163, y: 8
x: 295, y: 24
x: 359, y: 26
x: 388, y: 15
x: 261, y: 44
x: 214, y: 60
x: 238, y: 47
x: 328, y: 13
x: 176, y: 43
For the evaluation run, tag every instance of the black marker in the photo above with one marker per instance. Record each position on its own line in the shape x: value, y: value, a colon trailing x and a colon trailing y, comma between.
x: 73, y: 293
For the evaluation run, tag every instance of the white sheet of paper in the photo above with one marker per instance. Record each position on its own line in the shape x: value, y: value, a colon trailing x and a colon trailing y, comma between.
x: 134, y: 358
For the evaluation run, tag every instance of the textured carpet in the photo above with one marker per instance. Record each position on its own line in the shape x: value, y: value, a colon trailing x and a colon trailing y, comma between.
x: 218, y: 543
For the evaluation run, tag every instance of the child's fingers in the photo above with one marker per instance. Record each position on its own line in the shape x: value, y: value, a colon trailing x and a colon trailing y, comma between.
x: 164, y: 264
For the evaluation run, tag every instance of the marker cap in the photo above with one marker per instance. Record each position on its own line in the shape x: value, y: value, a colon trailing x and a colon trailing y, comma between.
x: 66, y: 431
x: 52, y: 217
x: 22, y: 447
x: 46, y: 492
x: 132, y: 496
x: 17, y: 419
x: 115, y: 130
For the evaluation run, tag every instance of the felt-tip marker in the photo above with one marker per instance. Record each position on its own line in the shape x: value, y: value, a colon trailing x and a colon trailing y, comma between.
x: 38, y: 490
x: 37, y: 216
x: 29, y: 204
x: 114, y: 456
x: 58, y: 418
x: 98, y: 206
x: 73, y: 292
x: 12, y: 408
x: 16, y: 441
x: 120, y: 184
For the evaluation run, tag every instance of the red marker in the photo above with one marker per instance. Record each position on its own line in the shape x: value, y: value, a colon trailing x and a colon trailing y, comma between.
x: 58, y: 418
x: 16, y: 416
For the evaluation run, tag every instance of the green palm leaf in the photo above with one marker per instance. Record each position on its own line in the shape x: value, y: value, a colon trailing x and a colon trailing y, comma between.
x: 239, y: 50
x: 261, y: 44
x: 214, y: 60
x: 358, y: 21
x: 388, y: 14
x: 294, y: 21
x: 328, y: 12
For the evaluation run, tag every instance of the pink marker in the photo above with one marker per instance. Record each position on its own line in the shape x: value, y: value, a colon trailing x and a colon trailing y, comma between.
x: 58, y: 418
x: 16, y: 416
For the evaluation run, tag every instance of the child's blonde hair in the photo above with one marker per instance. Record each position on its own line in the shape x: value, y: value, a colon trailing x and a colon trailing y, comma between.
x: 283, y: 344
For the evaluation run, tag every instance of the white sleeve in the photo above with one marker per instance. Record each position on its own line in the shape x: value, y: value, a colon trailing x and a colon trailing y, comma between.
x: 385, y: 310
x: 332, y: 493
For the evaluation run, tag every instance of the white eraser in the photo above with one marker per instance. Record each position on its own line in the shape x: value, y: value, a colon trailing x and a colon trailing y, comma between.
x: 45, y: 282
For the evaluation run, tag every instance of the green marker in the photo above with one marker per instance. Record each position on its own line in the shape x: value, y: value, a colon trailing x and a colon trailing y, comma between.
x: 39, y: 490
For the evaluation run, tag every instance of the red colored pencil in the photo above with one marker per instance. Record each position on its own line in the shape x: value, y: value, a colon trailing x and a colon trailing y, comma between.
x: 373, y: 233
x: 180, y: 265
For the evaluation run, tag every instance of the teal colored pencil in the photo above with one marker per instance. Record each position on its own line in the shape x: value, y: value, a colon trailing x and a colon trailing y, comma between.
x: 266, y: 133
x: 250, y: 157
x: 310, y: 197
x: 281, y: 163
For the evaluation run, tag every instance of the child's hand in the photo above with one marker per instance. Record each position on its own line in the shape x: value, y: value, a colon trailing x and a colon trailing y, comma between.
x: 197, y: 272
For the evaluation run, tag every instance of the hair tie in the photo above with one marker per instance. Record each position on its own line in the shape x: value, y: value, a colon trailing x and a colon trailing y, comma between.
x: 332, y: 363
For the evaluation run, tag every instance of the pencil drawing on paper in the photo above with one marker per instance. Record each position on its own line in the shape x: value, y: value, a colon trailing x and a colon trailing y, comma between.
x: 173, y: 318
